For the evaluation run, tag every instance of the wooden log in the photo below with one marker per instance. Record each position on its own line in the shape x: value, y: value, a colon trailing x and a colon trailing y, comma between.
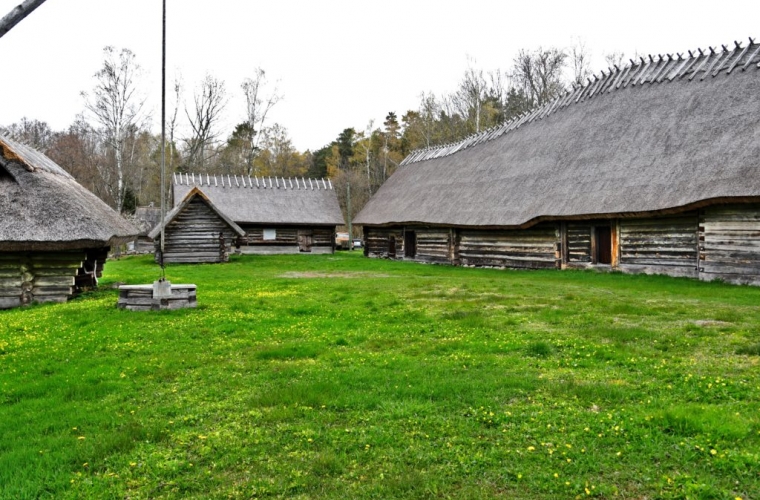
x: 52, y: 290
x: 44, y: 281
x: 10, y: 302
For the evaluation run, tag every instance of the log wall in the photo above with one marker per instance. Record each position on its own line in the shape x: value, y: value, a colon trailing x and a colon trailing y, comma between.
x: 433, y: 245
x: 193, y: 236
x: 287, y: 239
x: 720, y: 242
x: 660, y: 245
x: 578, y: 243
x: 27, y: 277
x: 377, y: 241
x: 533, y: 248
x: 729, y: 244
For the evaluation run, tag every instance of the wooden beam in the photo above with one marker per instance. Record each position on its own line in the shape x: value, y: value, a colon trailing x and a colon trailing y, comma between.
x: 18, y: 13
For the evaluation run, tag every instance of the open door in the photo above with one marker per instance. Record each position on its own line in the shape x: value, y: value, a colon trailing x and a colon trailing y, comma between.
x: 410, y: 244
x: 603, y: 245
x: 392, y: 247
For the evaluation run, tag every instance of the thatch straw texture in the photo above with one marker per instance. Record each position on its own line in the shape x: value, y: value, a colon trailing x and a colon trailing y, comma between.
x: 269, y: 200
x: 662, y: 134
x: 44, y: 208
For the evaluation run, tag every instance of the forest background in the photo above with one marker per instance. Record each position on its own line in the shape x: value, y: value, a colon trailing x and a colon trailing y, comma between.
x: 113, y: 149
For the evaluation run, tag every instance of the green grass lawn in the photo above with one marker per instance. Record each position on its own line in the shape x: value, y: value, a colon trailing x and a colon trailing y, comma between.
x: 345, y: 377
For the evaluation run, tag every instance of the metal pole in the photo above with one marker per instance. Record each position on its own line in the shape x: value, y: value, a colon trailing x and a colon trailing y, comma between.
x: 163, y: 137
x: 348, y: 210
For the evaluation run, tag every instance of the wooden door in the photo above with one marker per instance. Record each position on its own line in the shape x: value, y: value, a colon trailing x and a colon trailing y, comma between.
x: 392, y: 247
x: 410, y: 244
x: 603, y: 245
x: 305, y: 240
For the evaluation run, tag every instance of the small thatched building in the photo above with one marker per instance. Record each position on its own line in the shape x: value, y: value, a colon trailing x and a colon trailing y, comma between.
x: 54, y: 234
x: 652, y: 168
x: 196, y: 231
x: 278, y: 215
x: 146, y: 218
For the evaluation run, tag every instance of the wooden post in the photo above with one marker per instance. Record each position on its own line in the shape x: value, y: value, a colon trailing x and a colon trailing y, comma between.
x: 18, y: 14
x: 615, y: 230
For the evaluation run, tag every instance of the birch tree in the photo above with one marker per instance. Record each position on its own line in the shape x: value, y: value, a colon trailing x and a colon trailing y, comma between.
x: 258, y: 106
x: 117, y: 107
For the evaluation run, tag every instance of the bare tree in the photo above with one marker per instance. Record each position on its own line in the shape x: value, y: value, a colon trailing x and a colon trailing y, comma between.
x: 428, y: 113
x: 33, y: 133
x: 208, y: 104
x: 366, y: 146
x: 257, y: 108
x: 538, y: 74
x: 469, y: 98
x: 18, y: 13
x: 177, y: 88
x: 116, y: 107
x: 579, y: 58
x: 614, y: 59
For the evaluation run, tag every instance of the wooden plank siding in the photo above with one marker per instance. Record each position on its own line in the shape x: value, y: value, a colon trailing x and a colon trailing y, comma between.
x: 660, y: 245
x: 287, y: 239
x: 729, y: 239
x: 377, y: 241
x: 533, y: 248
x: 433, y: 245
x: 27, y: 277
x: 718, y: 242
x: 193, y: 236
x: 578, y: 243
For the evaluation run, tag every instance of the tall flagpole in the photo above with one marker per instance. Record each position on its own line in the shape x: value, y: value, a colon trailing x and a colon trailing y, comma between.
x: 163, y: 139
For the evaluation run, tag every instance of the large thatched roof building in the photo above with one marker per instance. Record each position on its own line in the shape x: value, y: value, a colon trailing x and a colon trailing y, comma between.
x: 278, y: 215
x: 54, y: 234
x: 654, y: 167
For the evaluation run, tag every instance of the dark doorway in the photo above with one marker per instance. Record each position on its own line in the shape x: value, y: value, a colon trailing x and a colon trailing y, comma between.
x: 410, y: 244
x: 392, y: 247
x: 603, y: 245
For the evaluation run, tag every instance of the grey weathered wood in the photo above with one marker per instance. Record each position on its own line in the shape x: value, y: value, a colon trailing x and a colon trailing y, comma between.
x: 736, y: 61
x: 751, y: 58
x: 140, y: 298
x: 18, y: 14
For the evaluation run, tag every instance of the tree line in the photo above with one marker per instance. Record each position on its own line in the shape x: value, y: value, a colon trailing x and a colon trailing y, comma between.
x: 111, y: 150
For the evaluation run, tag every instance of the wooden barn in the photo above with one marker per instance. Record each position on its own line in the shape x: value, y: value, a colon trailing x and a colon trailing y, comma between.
x: 196, y: 231
x: 651, y: 168
x: 54, y: 234
x: 278, y: 215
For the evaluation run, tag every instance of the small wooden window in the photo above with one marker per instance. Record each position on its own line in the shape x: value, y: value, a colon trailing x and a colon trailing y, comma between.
x: 270, y: 234
x: 392, y: 247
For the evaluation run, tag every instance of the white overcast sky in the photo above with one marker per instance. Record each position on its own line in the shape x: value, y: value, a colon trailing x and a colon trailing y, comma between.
x: 339, y: 63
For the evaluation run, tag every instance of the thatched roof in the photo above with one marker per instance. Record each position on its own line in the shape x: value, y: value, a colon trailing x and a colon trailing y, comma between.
x: 195, y: 192
x: 266, y: 200
x: 146, y: 218
x: 44, y: 208
x: 664, y: 133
